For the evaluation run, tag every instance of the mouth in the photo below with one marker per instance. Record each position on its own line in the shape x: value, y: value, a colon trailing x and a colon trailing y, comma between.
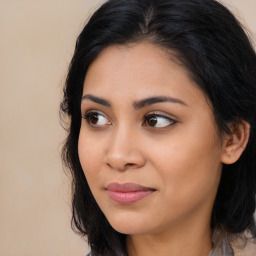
x: 128, y: 193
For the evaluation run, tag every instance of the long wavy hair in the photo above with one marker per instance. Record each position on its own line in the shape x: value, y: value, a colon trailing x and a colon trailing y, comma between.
x: 213, y: 46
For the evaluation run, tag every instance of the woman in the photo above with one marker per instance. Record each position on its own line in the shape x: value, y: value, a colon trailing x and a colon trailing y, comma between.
x: 161, y: 98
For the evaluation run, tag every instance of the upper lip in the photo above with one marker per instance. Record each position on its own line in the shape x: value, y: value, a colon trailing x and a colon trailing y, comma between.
x: 126, y: 187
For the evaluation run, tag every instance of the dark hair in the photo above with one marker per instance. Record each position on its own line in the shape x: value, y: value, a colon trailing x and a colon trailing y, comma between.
x: 212, y: 45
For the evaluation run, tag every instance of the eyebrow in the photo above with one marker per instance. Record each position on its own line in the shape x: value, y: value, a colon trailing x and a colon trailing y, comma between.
x: 153, y: 100
x: 97, y: 100
x: 137, y: 104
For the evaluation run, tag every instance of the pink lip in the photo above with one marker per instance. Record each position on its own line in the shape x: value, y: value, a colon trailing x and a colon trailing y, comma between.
x: 128, y: 193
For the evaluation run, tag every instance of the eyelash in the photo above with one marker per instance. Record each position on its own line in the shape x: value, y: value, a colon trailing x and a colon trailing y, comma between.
x: 156, y: 115
x: 88, y: 115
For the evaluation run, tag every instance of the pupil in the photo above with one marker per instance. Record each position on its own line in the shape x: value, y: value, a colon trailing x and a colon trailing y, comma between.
x: 94, y: 119
x: 152, y: 121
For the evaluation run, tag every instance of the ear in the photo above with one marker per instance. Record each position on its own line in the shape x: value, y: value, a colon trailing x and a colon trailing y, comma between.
x: 235, y: 143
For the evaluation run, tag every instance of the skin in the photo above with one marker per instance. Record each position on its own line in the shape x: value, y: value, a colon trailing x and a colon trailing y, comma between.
x: 179, y: 156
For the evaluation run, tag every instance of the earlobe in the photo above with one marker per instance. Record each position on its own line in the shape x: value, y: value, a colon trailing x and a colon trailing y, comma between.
x: 235, y: 143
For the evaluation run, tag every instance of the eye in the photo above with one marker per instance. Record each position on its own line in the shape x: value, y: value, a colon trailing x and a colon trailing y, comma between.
x: 96, y: 119
x: 158, y: 121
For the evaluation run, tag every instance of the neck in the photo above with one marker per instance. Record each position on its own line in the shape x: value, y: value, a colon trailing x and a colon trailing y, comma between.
x: 189, y: 239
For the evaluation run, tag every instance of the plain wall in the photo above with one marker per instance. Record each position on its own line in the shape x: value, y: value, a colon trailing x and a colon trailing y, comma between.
x: 37, y: 40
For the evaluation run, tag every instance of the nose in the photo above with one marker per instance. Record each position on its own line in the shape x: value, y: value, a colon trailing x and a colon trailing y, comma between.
x: 124, y: 151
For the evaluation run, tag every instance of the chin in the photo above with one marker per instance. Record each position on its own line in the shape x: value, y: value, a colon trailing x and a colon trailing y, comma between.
x: 129, y: 224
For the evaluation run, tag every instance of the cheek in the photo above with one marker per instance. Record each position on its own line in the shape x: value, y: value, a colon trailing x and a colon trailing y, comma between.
x: 189, y: 163
x: 90, y: 154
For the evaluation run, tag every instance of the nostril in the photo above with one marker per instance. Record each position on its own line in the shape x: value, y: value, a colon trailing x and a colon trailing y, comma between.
x: 123, y: 167
x: 129, y: 164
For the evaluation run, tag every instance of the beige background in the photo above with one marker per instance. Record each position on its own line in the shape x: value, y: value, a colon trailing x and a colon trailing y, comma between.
x: 36, y: 43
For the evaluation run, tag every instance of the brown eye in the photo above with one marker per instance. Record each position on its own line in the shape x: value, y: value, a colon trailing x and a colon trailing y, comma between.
x: 152, y: 121
x: 93, y: 118
x: 158, y: 121
x: 96, y: 119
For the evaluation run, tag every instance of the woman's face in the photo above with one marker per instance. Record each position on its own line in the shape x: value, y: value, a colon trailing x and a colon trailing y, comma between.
x: 148, y: 142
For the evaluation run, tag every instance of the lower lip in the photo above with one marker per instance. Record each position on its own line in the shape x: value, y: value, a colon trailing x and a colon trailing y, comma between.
x: 128, y: 197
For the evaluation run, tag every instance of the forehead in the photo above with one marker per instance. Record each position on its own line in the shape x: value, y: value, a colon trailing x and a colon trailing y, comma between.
x: 139, y: 69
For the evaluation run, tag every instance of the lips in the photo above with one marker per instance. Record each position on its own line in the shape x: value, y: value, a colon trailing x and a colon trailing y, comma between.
x: 128, y: 193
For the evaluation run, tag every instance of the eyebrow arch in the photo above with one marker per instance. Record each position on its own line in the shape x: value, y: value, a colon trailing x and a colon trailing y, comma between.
x: 153, y: 100
x: 137, y: 104
x: 97, y: 100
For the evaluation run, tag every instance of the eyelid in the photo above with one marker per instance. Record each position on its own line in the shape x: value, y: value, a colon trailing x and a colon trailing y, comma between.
x: 162, y: 114
x: 89, y: 111
x: 87, y: 114
x: 172, y: 120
